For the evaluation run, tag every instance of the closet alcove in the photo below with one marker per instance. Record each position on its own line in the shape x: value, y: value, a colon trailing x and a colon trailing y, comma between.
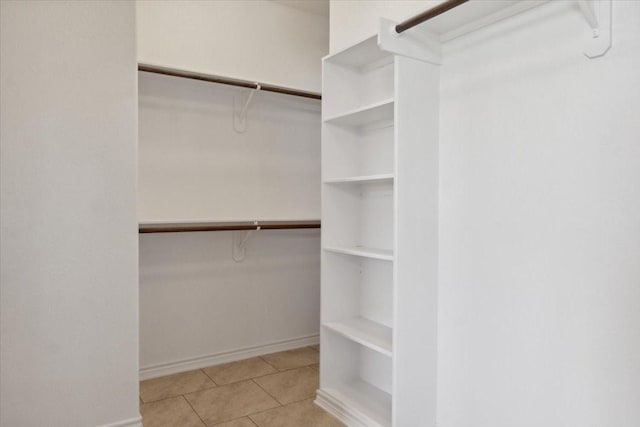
x: 211, y: 289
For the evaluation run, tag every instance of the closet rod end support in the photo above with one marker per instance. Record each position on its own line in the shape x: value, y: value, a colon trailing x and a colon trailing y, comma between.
x: 598, y: 34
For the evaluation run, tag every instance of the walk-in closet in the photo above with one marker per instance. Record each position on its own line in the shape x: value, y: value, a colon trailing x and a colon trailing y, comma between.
x: 320, y: 213
x: 229, y: 222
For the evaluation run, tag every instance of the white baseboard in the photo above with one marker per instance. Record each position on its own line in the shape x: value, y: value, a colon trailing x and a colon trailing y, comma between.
x: 348, y: 415
x: 132, y: 422
x: 154, y: 371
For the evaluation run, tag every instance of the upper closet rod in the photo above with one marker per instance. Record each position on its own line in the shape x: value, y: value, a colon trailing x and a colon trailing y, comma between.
x: 226, y: 81
x: 428, y: 14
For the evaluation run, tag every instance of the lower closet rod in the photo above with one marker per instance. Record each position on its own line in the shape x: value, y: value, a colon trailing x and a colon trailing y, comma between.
x: 225, y: 226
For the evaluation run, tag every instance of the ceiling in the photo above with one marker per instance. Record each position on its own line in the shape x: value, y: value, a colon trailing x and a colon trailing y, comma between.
x: 317, y: 7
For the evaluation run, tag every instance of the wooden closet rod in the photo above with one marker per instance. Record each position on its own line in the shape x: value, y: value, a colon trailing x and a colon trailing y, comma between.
x: 226, y: 81
x: 428, y: 14
x: 225, y: 226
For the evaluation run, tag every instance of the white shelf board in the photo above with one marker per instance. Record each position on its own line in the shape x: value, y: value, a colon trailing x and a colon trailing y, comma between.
x: 362, y: 251
x: 383, y: 177
x: 365, y: 398
x: 360, y: 55
x: 363, y: 331
x: 377, y: 112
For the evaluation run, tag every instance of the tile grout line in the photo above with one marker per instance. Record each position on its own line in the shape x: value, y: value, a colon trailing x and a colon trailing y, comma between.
x: 301, y: 400
x: 265, y: 410
x: 181, y: 394
x: 278, y: 400
x: 194, y: 410
x: 207, y: 375
x: 279, y: 372
x: 224, y: 385
x: 276, y: 373
x: 283, y: 406
x: 287, y: 369
x: 178, y: 395
x: 163, y: 399
x: 272, y: 396
x: 239, y: 418
x: 236, y: 361
x: 244, y: 379
x: 262, y: 358
x: 244, y: 416
x: 227, y: 384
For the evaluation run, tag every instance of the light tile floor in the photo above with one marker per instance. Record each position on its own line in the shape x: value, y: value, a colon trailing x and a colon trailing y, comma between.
x: 275, y: 390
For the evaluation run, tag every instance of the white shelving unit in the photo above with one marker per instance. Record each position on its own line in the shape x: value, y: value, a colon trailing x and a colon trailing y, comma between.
x: 379, y: 235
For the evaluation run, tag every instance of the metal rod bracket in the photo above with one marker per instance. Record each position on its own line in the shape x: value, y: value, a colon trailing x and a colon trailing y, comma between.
x: 417, y: 43
x: 239, y: 245
x: 598, y: 34
x: 240, y: 118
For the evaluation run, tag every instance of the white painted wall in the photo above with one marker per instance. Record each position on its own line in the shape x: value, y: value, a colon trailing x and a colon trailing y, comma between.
x: 198, y: 306
x: 69, y: 294
x: 539, y: 299
x: 540, y: 234
x: 194, y: 166
x: 263, y: 41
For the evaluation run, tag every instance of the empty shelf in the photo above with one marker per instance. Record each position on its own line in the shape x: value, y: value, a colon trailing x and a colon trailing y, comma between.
x: 378, y: 112
x: 386, y: 177
x: 362, y: 251
x: 370, y: 334
x: 372, y: 402
x: 361, y: 55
